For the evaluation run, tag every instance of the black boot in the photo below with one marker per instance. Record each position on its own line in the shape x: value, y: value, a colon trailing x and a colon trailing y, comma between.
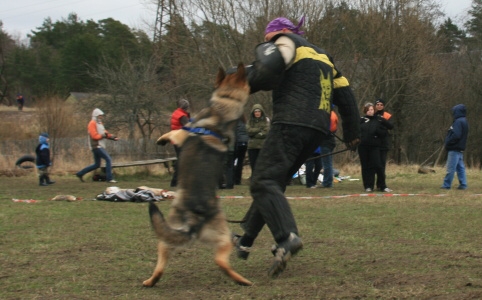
x: 42, y: 180
x: 47, y: 180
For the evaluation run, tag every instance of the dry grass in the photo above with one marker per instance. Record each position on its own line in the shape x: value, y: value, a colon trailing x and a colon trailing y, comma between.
x: 20, y: 131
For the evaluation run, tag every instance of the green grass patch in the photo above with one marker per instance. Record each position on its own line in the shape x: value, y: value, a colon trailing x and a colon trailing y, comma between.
x: 356, y: 247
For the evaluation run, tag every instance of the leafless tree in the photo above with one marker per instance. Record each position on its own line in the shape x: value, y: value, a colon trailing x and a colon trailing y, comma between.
x: 132, y: 96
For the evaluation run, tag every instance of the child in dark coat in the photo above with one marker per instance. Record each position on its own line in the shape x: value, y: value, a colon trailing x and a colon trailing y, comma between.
x: 43, y: 160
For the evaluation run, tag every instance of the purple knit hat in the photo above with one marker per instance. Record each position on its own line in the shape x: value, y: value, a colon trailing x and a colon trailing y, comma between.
x: 281, y: 23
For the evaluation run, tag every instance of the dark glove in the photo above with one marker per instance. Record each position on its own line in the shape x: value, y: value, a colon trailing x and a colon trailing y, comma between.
x: 353, y: 144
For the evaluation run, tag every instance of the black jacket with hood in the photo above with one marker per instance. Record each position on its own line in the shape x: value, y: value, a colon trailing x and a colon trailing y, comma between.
x: 456, y: 138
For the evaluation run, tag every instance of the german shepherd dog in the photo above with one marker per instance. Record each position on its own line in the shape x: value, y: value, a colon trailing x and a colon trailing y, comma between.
x: 196, y: 212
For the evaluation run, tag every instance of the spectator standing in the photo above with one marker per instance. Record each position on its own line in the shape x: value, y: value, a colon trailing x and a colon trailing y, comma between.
x: 240, y: 149
x: 42, y: 160
x: 20, y: 101
x: 373, y: 131
x: 179, y: 118
x: 327, y: 145
x: 257, y: 127
x: 97, y: 136
x: 313, y: 168
x: 227, y: 180
x: 304, y: 81
x: 455, y: 143
x: 380, y: 110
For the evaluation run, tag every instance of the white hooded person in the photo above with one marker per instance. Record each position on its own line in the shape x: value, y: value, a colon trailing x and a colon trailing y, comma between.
x: 97, y: 142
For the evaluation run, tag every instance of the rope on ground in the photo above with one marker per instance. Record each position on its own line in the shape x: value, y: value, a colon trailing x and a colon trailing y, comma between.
x: 352, y: 195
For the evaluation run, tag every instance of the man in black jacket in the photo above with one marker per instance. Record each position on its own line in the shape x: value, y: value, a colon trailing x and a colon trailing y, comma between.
x: 380, y: 111
x: 305, y: 83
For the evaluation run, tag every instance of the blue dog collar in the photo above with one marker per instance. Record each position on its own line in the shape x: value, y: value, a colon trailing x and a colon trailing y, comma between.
x: 202, y: 131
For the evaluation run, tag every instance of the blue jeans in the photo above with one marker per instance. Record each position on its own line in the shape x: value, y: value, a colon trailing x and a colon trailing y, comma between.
x: 327, y: 163
x: 455, y: 163
x: 98, y: 154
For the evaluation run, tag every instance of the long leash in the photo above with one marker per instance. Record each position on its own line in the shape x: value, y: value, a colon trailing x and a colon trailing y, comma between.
x: 332, y: 153
x: 328, y: 154
x: 324, y: 155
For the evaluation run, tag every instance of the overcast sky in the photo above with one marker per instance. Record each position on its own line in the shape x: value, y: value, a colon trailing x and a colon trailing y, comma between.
x: 19, y: 17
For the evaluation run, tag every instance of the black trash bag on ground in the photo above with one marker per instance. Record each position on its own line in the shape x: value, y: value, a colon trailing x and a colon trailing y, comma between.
x: 129, y: 195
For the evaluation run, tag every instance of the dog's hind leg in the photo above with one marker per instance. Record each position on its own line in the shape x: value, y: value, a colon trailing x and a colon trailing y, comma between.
x: 162, y: 257
x: 222, y: 260
x: 224, y: 247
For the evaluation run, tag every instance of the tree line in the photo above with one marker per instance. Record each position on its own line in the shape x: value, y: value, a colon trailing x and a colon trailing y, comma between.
x: 404, y: 51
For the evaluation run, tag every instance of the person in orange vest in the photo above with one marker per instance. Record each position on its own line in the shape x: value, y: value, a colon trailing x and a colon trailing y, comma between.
x: 97, y: 144
x: 380, y: 111
x: 179, y: 118
x: 327, y: 146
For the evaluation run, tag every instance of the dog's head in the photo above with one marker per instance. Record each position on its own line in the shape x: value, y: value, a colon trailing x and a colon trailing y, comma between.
x: 236, y: 81
x: 226, y: 106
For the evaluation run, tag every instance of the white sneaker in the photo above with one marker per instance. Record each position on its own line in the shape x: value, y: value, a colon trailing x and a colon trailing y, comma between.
x: 368, y: 190
x: 112, y: 181
x: 387, y: 190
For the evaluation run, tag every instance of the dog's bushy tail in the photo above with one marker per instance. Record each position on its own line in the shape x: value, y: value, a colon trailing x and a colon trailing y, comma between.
x: 163, y: 230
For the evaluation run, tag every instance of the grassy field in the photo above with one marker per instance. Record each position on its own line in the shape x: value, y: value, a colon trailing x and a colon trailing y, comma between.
x: 422, y: 246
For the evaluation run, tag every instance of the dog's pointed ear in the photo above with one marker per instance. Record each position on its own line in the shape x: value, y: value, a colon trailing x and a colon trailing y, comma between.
x: 220, y: 77
x: 241, y: 71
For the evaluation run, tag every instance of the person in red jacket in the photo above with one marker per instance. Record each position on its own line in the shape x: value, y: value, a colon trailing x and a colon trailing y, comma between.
x: 179, y: 118
x: 97, y: 137
x: 20, y: 101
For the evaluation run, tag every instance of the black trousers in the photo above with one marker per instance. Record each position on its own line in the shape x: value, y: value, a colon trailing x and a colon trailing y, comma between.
x: 227, y: 180
x: 313, y: 169
x: 371, y: 165
x: 286, y: 148
x: 253, y: 157
x: 174, y: 176
x: 239, y: 155
x: 381, y: 182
